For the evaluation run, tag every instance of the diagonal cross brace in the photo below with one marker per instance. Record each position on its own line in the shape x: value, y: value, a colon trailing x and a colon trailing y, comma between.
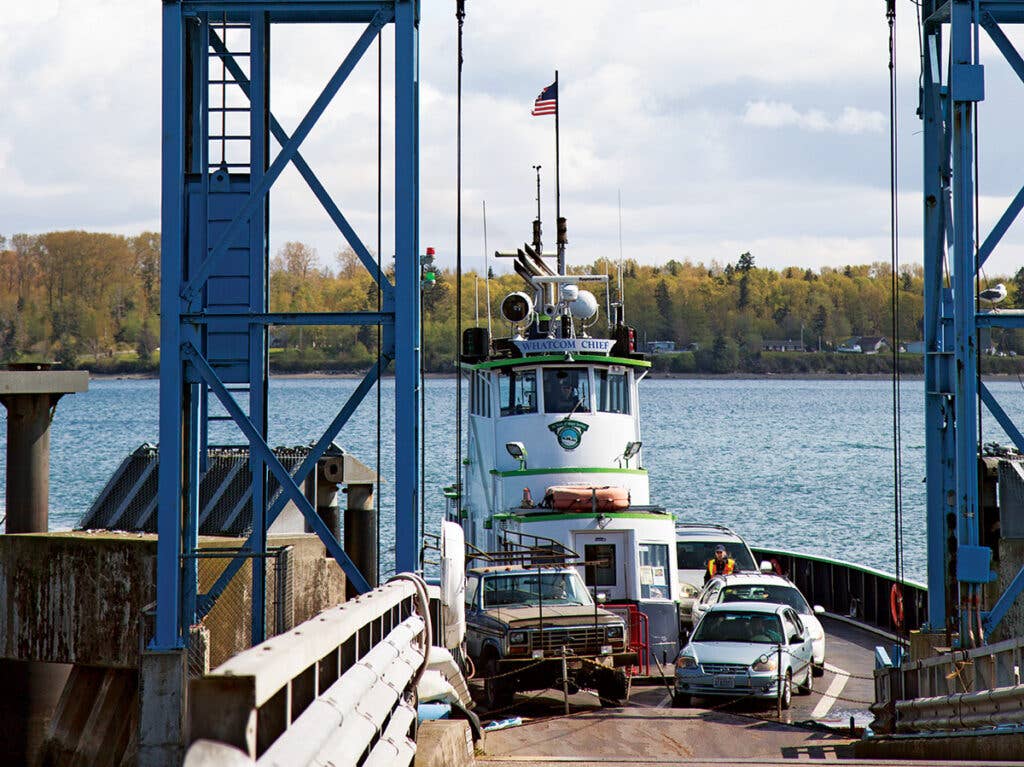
x: 206, y: 600
x: 285, y: 156
x: 1001, y: 417
x: 288, y: 486
x: 307, y: 173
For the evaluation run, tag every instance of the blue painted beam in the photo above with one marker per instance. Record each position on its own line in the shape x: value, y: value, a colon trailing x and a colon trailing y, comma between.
x: 939, y: 473
x: 308, y: 464
x: 1002, y: 418
x: 992, y: 618
x: 285, y: 156
x: 407, y: 291
x: 1004, y: 223
x: 308, y: 175
x: 259, y: 447
x: 168, y: 634
x: 1002, y: 318
x: 304, y: 318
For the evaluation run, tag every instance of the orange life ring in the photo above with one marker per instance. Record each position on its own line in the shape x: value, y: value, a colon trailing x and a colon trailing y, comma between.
x: 896, y: 604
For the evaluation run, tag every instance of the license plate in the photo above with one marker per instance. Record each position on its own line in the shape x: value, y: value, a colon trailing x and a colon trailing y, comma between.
x: 725, y: 680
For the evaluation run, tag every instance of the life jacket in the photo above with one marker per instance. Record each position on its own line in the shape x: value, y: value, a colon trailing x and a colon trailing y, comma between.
x: 727, y: 566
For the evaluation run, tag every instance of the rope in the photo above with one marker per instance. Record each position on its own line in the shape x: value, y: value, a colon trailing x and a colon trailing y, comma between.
x: 897, y: 440
x: 460, y: 16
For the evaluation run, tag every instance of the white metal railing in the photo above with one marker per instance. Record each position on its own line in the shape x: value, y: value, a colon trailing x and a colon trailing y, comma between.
x: 336, y: 689
x: 969, y: 710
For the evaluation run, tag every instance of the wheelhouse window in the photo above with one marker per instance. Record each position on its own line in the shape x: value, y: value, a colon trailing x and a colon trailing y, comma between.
x: 613, y: 391
x: 654, y: 571
x: 518, y: 391
x: 480, y: 394
x: 566, y: 390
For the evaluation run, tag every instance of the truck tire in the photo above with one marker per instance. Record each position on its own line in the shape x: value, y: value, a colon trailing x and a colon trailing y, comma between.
x: 498, y: 693
x: 679, y: 700
x: 612, y: 689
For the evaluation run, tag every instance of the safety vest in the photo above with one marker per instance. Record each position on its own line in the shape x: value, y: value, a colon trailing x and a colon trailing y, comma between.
x: 727, y: 565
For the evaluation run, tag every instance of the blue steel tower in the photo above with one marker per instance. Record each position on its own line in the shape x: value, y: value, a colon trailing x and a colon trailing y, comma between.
x: 221, y: 156
x: 952, y: 87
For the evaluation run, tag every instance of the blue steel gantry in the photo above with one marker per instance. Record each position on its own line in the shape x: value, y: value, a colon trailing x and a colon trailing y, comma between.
x: 218, y: 169
x: 952, y: 86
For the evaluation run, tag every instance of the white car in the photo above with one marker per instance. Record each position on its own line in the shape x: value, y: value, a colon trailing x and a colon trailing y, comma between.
x: 745, y: 649
x: 765, y: 588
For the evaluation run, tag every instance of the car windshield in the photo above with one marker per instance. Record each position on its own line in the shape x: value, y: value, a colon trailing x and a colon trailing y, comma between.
x: 775, y: 594
x: 694, y: 555
x: 560, y: 588
x: 722, y: 626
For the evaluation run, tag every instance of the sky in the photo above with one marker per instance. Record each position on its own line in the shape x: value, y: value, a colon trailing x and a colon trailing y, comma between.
x: 723, y: 127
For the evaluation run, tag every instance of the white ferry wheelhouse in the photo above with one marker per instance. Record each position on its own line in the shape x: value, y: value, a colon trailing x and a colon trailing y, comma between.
x: 554, y: 449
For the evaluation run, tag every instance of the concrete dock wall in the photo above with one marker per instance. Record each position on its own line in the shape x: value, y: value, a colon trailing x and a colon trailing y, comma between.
x: 76, y: 597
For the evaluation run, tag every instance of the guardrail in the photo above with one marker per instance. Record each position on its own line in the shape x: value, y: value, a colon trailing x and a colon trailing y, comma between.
x: 968, y: 710
x: 333, y: 690
x: 855, y: 593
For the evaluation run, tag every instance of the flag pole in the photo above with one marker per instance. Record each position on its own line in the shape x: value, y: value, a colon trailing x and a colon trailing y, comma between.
x: 558, y: 195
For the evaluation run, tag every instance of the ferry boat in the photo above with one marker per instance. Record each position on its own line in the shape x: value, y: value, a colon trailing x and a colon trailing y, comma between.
x: 554, y: 446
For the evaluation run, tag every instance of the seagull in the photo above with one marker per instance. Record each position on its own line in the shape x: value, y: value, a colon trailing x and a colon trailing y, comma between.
x: 994, y: 294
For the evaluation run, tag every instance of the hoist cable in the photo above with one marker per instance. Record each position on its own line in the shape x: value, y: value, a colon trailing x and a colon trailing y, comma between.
x: 460, y: 16
x: 380, y: 102
x: 897, y: 446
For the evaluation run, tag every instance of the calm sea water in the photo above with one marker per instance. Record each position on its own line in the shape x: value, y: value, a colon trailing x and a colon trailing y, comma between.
x: 803, y: 465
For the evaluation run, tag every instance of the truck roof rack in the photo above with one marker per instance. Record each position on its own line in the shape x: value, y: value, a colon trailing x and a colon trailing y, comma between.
x: 526, y: 550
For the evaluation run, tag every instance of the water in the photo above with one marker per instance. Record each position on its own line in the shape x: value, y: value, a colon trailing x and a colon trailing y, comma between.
x: 802, y: 465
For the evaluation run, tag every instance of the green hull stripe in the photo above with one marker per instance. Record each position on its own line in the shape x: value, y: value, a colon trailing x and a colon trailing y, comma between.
x: 577, y: 358
x: 566, y: 470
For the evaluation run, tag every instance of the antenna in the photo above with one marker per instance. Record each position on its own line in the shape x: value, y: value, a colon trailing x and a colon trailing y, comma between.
x: 537, y: 245
x: 487, y: 273
x: 622, y: 309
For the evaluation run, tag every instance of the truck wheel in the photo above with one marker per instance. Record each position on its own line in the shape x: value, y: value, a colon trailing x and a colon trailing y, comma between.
x: 498, y: 693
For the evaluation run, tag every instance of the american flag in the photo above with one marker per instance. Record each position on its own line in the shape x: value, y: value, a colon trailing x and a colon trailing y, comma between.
x: 547, y: 101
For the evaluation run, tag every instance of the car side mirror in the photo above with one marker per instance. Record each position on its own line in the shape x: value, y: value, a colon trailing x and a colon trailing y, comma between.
x: 818, y: 610
x: 766, y: 566
x: 796, y: 639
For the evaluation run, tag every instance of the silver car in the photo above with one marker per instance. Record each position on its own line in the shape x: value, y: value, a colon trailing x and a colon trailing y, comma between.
x: 740, y: 649
x: 766, y: 587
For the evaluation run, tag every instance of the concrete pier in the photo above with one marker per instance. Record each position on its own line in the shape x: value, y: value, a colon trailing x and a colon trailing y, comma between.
x: 30, y: 393
x: 30, y: 396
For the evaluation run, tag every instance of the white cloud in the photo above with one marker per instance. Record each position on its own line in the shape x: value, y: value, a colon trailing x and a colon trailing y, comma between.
x: 725, y: 126
x: 776, y: 114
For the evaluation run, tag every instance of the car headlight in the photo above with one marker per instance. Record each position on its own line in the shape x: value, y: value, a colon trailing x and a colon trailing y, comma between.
x: 688, y: 591
x: 517, y: 637
x: 765, y: 663
x: 615, y: 632
x: 686, y: 661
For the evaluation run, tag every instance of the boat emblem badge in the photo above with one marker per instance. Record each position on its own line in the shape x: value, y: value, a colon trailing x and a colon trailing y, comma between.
x: 568, y: 432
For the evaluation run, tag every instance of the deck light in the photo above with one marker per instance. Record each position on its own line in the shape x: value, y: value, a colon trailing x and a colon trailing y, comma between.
x: 632, y: 448
x: 518, y: 451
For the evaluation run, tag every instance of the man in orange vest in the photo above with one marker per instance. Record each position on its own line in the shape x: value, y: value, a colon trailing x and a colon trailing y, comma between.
x: 721, y: 564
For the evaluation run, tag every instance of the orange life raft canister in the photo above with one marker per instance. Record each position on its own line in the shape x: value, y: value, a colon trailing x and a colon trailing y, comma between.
x: 583, y: 498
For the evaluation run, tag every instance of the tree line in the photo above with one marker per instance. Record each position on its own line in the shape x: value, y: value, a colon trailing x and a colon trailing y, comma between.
x: 92, y: 300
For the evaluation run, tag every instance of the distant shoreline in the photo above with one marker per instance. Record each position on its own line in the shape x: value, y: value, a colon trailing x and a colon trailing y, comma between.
x: 650, y: 376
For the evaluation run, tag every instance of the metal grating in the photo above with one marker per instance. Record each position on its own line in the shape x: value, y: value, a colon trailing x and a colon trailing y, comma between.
x: 129, y: 500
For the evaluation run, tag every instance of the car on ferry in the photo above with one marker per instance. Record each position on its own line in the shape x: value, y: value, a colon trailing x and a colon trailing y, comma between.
x: 765, y: 588
x: 745, y: 649
x: 695, y: 545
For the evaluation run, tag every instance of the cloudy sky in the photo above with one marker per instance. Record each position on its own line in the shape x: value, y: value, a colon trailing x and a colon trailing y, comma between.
x: 724, y: 126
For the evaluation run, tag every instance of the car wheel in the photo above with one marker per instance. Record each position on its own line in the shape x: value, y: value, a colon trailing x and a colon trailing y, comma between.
x: 787, y: 690
x: 497, y: 692
x: 612, y: 690
x: 818, y: 669
x: 679, y: 700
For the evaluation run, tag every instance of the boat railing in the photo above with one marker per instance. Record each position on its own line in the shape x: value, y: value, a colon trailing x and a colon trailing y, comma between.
x: 852, y: 593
